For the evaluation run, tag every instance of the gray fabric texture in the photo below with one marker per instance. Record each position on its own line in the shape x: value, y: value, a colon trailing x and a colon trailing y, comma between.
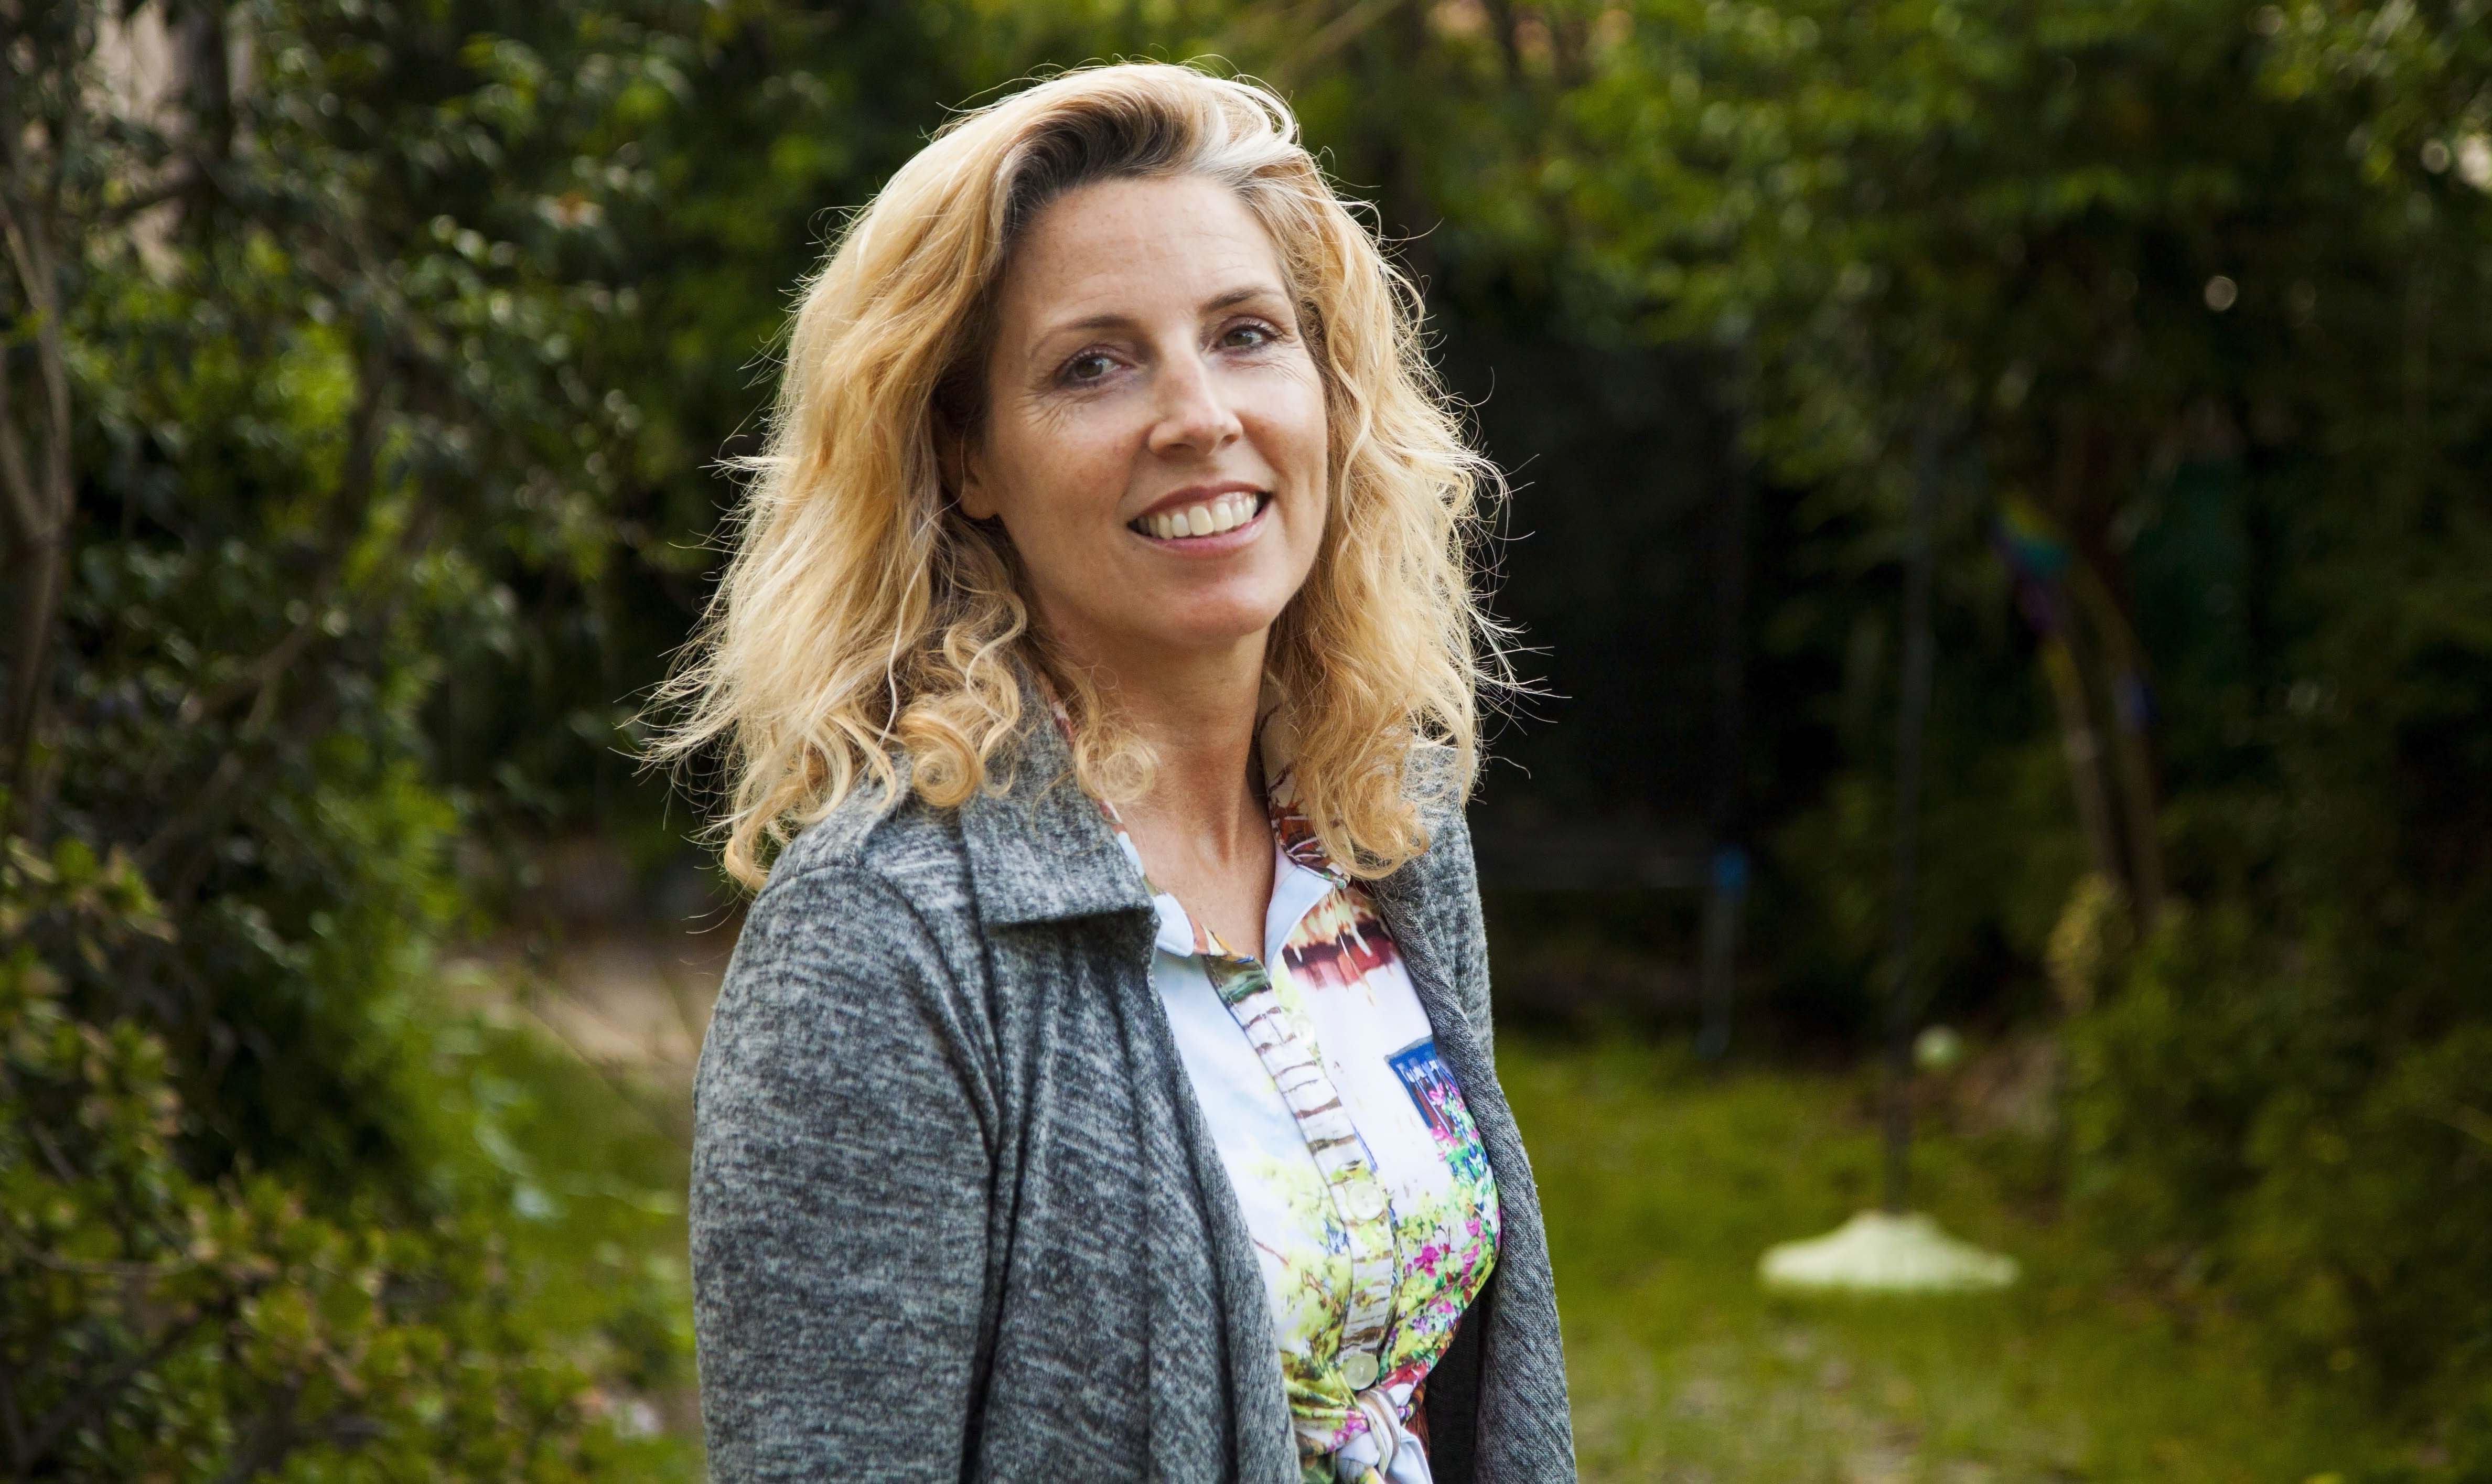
x: 955, y: 1212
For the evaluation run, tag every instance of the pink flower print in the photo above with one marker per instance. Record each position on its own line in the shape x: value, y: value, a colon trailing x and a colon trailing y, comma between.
x: 1429, y: 1256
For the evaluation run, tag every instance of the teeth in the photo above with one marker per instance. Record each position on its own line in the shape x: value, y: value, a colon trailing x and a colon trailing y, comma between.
x: 1224, y: 514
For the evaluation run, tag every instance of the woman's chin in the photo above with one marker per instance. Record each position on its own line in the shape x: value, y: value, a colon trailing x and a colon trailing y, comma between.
x: 1199, y: 628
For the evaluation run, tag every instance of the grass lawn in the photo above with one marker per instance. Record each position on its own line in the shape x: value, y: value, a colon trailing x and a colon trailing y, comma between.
x: 1662, y: 1183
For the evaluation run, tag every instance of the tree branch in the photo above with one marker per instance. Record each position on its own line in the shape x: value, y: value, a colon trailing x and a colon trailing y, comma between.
x: 43, y: 505
x: 94, y: 1393
x: 180, y: 183
x: 357, y: 479
x: 217, y: 802
x: 271, y: 1440
x: 32, y: 252
x: 28, y: 525
x: 1338, y: 31
x: 10, y: 1424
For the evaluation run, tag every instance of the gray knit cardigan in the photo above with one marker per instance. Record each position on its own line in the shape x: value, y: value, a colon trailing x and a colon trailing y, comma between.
x: 955, y: 1210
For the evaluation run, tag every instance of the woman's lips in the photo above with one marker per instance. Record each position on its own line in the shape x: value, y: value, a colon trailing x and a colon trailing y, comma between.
x: 1204, y: 521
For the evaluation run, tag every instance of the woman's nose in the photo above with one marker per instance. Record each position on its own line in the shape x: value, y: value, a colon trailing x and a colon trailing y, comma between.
x: 1194, y: 413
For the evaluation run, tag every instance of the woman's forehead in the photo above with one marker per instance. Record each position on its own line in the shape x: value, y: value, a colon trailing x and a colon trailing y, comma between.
x: 1126, y: 250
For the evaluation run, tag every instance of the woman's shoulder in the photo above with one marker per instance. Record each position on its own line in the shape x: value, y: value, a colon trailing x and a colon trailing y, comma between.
x: 1434, y: 780
x: 854, y: 980
x: 873, y: 873
x: 889, y: 836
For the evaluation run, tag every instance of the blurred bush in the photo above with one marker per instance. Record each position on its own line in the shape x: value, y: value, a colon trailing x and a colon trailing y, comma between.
x: 162, y: 1324
x: 281, y: 427
x: 2248, y: 1128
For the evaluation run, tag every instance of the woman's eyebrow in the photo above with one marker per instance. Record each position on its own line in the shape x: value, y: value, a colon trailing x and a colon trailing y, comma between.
x: 1112, y: 319
x: 1244, y: 295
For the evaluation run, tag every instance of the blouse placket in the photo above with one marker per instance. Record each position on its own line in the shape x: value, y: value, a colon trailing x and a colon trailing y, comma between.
x: 1358, y: 1196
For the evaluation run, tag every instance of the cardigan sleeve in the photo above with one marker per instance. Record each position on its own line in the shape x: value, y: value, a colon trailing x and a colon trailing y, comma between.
x: 1468, y: 925
x: 840, y: 1181
x: 1443, y: 885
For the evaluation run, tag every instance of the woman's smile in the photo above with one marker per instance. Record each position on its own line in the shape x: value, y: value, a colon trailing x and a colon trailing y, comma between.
x: 1204, y: 521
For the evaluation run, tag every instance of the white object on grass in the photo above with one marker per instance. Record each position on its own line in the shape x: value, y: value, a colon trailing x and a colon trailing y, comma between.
x: 1878, y: 1252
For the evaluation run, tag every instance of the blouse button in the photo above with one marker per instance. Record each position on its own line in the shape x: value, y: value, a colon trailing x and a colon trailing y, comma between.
x: 1359, y: 1367
x: 1366, y: 1201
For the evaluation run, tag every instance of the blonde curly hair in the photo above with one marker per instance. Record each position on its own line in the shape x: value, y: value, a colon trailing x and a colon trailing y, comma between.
x: 863, y: 617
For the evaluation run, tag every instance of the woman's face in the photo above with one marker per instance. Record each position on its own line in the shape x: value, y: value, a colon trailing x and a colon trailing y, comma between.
x: 1154, y: 435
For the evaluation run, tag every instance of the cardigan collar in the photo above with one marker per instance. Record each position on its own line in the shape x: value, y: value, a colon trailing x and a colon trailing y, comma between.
x: 1039, y: 848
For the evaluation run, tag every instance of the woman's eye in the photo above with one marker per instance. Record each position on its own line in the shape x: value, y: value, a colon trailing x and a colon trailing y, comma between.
x: 1089, y: 366
x: 1247, y: 337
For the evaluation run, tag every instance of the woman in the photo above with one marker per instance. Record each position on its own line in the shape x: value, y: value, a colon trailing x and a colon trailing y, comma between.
x: 1102, y: 1086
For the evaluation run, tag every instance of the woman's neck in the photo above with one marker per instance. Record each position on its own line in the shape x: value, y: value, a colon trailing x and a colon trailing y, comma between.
x: 1197, y: 713
x: 1201, y: 827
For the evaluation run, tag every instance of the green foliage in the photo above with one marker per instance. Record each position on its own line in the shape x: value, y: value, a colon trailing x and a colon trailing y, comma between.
x: 2243, y: 1123
x: 160, y: 1326
x: 2169, y: 1077
x: 273, y: 1206
x: 686, y: 163
x: 2171, y: 273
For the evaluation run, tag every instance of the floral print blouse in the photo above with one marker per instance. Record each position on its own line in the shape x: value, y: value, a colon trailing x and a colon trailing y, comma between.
x: 1363, y: 1183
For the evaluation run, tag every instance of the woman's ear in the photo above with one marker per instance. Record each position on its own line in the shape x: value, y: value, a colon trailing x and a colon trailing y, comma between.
x: 957, y: 463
